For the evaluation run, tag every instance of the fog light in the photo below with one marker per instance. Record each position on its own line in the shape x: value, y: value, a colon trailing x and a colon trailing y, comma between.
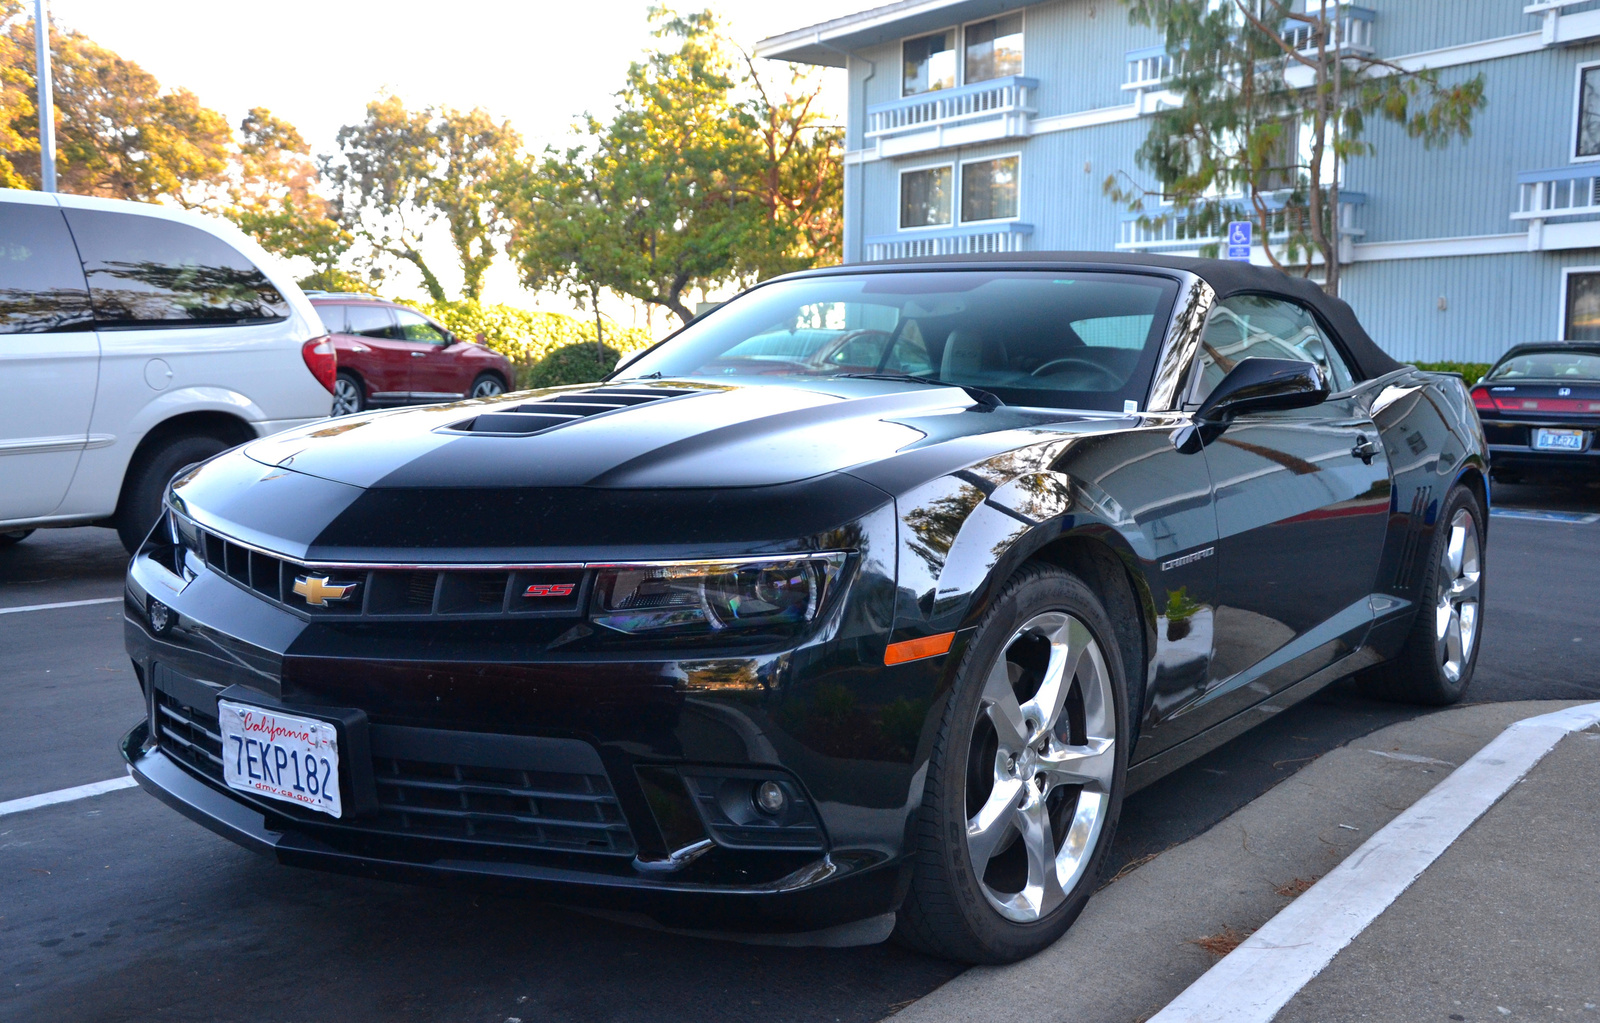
x: 161, y: 616
x: 769, y: 798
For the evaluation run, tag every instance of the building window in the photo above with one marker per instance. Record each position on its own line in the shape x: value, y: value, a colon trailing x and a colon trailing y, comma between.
x: 1582, y: 319
x: 925, y: 197
x: 929, y: 63
x: 989, y: 189
x: 994, y: 48
x: 1588, y: 144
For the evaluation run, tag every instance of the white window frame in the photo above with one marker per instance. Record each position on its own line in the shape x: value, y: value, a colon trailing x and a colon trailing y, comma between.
x: 961, y: 183
x: 1561, y: 311
x: 955, y: 196
x: 1577, y: 115
x: 961, y: 68
x: 959, y: 52
x: 960, y: 31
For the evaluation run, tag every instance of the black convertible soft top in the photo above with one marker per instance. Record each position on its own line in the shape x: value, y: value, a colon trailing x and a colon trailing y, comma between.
x: 1226, y: 277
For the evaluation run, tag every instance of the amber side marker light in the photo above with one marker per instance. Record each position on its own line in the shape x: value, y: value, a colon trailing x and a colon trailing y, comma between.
x: 916, y: 649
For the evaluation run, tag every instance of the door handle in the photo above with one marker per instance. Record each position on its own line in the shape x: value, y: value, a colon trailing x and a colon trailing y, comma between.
x: 418, y: 355
x: 1365, y: 449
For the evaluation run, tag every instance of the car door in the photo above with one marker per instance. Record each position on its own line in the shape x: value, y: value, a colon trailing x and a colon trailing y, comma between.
x: 49, y: 357
x: 436, y: 373
x: 386, y: 364
x: 1302, y: 499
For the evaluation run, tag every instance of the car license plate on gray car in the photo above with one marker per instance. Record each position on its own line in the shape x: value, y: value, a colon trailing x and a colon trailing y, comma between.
x: 1558, y: 440
x: 280, y: 756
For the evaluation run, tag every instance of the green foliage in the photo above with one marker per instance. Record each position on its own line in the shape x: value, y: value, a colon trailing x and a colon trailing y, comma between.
x: 1471, y: 372
x: 1272, y: 106
x: 546, y: 348
x: 701, y: 179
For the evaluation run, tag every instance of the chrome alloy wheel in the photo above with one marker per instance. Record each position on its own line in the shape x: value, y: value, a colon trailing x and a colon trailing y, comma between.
x: 488, y: 387
x: 1456, y: 609
x: 1040, y: 767
x: 346, y: 397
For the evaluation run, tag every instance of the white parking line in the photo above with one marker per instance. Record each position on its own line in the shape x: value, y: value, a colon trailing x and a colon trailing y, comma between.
x: 96, y: 788
x: 1534, y: 515
x: 64, y: 603
x: 1270, y: 967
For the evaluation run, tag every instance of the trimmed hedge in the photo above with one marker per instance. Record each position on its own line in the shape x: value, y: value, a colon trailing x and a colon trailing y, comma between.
x: 1471, y: 372
x: 547, y: 349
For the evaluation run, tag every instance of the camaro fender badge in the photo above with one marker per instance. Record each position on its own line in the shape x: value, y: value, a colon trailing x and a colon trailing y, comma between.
x: 1187, y: 559
x: 319, y: 590
x: 549, y: 590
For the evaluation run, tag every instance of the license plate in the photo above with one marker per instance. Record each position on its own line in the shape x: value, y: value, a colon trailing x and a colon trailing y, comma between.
x: 1558, y: 440
x: 280, y: 756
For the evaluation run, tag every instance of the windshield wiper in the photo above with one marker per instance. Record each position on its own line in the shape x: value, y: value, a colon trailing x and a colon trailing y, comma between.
x: 977, y: 394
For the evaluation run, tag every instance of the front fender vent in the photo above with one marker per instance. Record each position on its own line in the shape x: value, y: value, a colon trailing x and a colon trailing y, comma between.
x: 560, y: 409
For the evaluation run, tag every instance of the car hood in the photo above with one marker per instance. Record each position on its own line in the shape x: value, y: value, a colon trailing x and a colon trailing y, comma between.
x: 679, y: 434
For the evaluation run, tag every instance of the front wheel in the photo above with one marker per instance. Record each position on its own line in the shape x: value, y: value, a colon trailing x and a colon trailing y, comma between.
x: 487, y: 386
x: 1435, y: 666
x: 1026, y: 779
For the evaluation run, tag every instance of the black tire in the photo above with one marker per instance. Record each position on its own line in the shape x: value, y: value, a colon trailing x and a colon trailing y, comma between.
x: 487, y: 385
x: 349, y: 395
x: 14, y: 537
x: 147, y: 479
x: 1424, y: 672
x: 950, y: 911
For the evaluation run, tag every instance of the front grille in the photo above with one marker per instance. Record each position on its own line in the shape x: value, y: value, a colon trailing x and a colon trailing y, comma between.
x: 356, y: 592
x: 525, y: 809
x: 572, y: 812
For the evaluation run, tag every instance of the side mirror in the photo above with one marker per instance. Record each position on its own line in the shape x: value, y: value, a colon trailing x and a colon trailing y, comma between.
x: 1262, y: 385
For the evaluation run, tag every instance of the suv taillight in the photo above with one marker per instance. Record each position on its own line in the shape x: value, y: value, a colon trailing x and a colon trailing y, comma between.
x: 1482, y: 399
x: 321, y: 360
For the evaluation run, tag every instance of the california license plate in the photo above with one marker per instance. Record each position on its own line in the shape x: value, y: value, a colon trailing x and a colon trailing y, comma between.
x: 1558, y: 440
x: 280, y: 756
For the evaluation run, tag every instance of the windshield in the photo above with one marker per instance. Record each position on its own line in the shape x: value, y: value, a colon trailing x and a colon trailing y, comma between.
x: 1549, y: 366
x: 1063, y: 339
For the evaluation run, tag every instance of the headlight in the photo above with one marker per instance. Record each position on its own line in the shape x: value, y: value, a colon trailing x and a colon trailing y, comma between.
x: 706, y: 596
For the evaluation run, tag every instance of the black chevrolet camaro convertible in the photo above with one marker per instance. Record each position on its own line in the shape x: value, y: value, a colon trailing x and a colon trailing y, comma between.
x: 856, y: 606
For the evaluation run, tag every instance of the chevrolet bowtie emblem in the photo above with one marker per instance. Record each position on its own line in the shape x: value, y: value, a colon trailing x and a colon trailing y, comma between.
x: 318, y: 590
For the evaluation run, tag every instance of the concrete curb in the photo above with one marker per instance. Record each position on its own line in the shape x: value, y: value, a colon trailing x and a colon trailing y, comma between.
x: 1133, y: 950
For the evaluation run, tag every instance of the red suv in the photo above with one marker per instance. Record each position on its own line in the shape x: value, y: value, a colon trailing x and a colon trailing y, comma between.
x: 393, y: 355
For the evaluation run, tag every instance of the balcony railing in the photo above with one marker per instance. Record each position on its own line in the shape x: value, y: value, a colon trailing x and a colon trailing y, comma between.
x: 1171, y: 229
x: 1149, y: 68
x: 1558, y: 194
x: 1352, y: 31
x: 1008, y: 237
x: 980, y: 112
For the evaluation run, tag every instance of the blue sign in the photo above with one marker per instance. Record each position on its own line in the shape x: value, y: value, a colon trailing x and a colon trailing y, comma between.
x: 1240, y: 237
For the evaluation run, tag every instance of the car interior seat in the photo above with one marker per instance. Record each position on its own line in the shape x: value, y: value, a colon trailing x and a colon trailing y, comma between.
x: 968, y: 354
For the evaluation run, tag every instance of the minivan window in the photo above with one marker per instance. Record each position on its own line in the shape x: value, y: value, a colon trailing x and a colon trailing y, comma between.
x: 148, y: 272
x: 41, y: 283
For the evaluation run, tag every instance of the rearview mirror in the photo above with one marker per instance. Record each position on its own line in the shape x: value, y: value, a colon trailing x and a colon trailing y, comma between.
x: 1263, y: 385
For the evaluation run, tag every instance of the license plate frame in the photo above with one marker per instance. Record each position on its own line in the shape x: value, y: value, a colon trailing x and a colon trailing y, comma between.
x: 281, y: 756
x: 1548, y: 439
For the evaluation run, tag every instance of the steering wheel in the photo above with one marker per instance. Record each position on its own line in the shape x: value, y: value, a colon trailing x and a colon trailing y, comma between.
x: 1055, y: 366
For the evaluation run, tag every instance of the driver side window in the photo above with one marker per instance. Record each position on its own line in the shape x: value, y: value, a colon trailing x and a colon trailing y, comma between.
x: 1257, y: 327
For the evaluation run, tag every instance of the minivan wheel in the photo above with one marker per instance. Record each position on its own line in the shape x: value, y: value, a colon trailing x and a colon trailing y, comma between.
x: 146, y: 484
x: 1026, y: 778
x: 14, y: 537
x: 348, y: 395
x: 487, y: 386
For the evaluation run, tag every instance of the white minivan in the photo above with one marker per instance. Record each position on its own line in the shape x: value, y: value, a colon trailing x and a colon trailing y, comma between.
x: 135, y: 340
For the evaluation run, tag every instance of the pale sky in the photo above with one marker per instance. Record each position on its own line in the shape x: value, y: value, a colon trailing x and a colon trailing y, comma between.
x: 316, y: 64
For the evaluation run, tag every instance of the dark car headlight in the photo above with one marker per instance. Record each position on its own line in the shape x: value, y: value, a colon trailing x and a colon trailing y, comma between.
x: 703, y: 596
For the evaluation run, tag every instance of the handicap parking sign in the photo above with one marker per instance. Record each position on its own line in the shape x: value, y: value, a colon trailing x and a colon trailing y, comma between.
x: 1240, y: 237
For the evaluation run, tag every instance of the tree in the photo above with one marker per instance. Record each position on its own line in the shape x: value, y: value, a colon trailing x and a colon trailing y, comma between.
x: 700, y: 179
x: 16, y: 98
x: 1274, y: 103
x: 272, y: 195
x: 117, y: 133
x: 400, y: 170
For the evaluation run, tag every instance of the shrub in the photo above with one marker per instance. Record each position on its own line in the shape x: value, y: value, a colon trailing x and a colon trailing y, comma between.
x: 547, y: 349
x: 1471, y: 372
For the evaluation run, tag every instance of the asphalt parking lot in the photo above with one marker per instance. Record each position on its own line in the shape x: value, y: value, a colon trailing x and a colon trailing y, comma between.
x: 116, y: 908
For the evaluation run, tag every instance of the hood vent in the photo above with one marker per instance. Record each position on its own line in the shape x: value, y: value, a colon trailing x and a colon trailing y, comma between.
x: 558, y: 410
